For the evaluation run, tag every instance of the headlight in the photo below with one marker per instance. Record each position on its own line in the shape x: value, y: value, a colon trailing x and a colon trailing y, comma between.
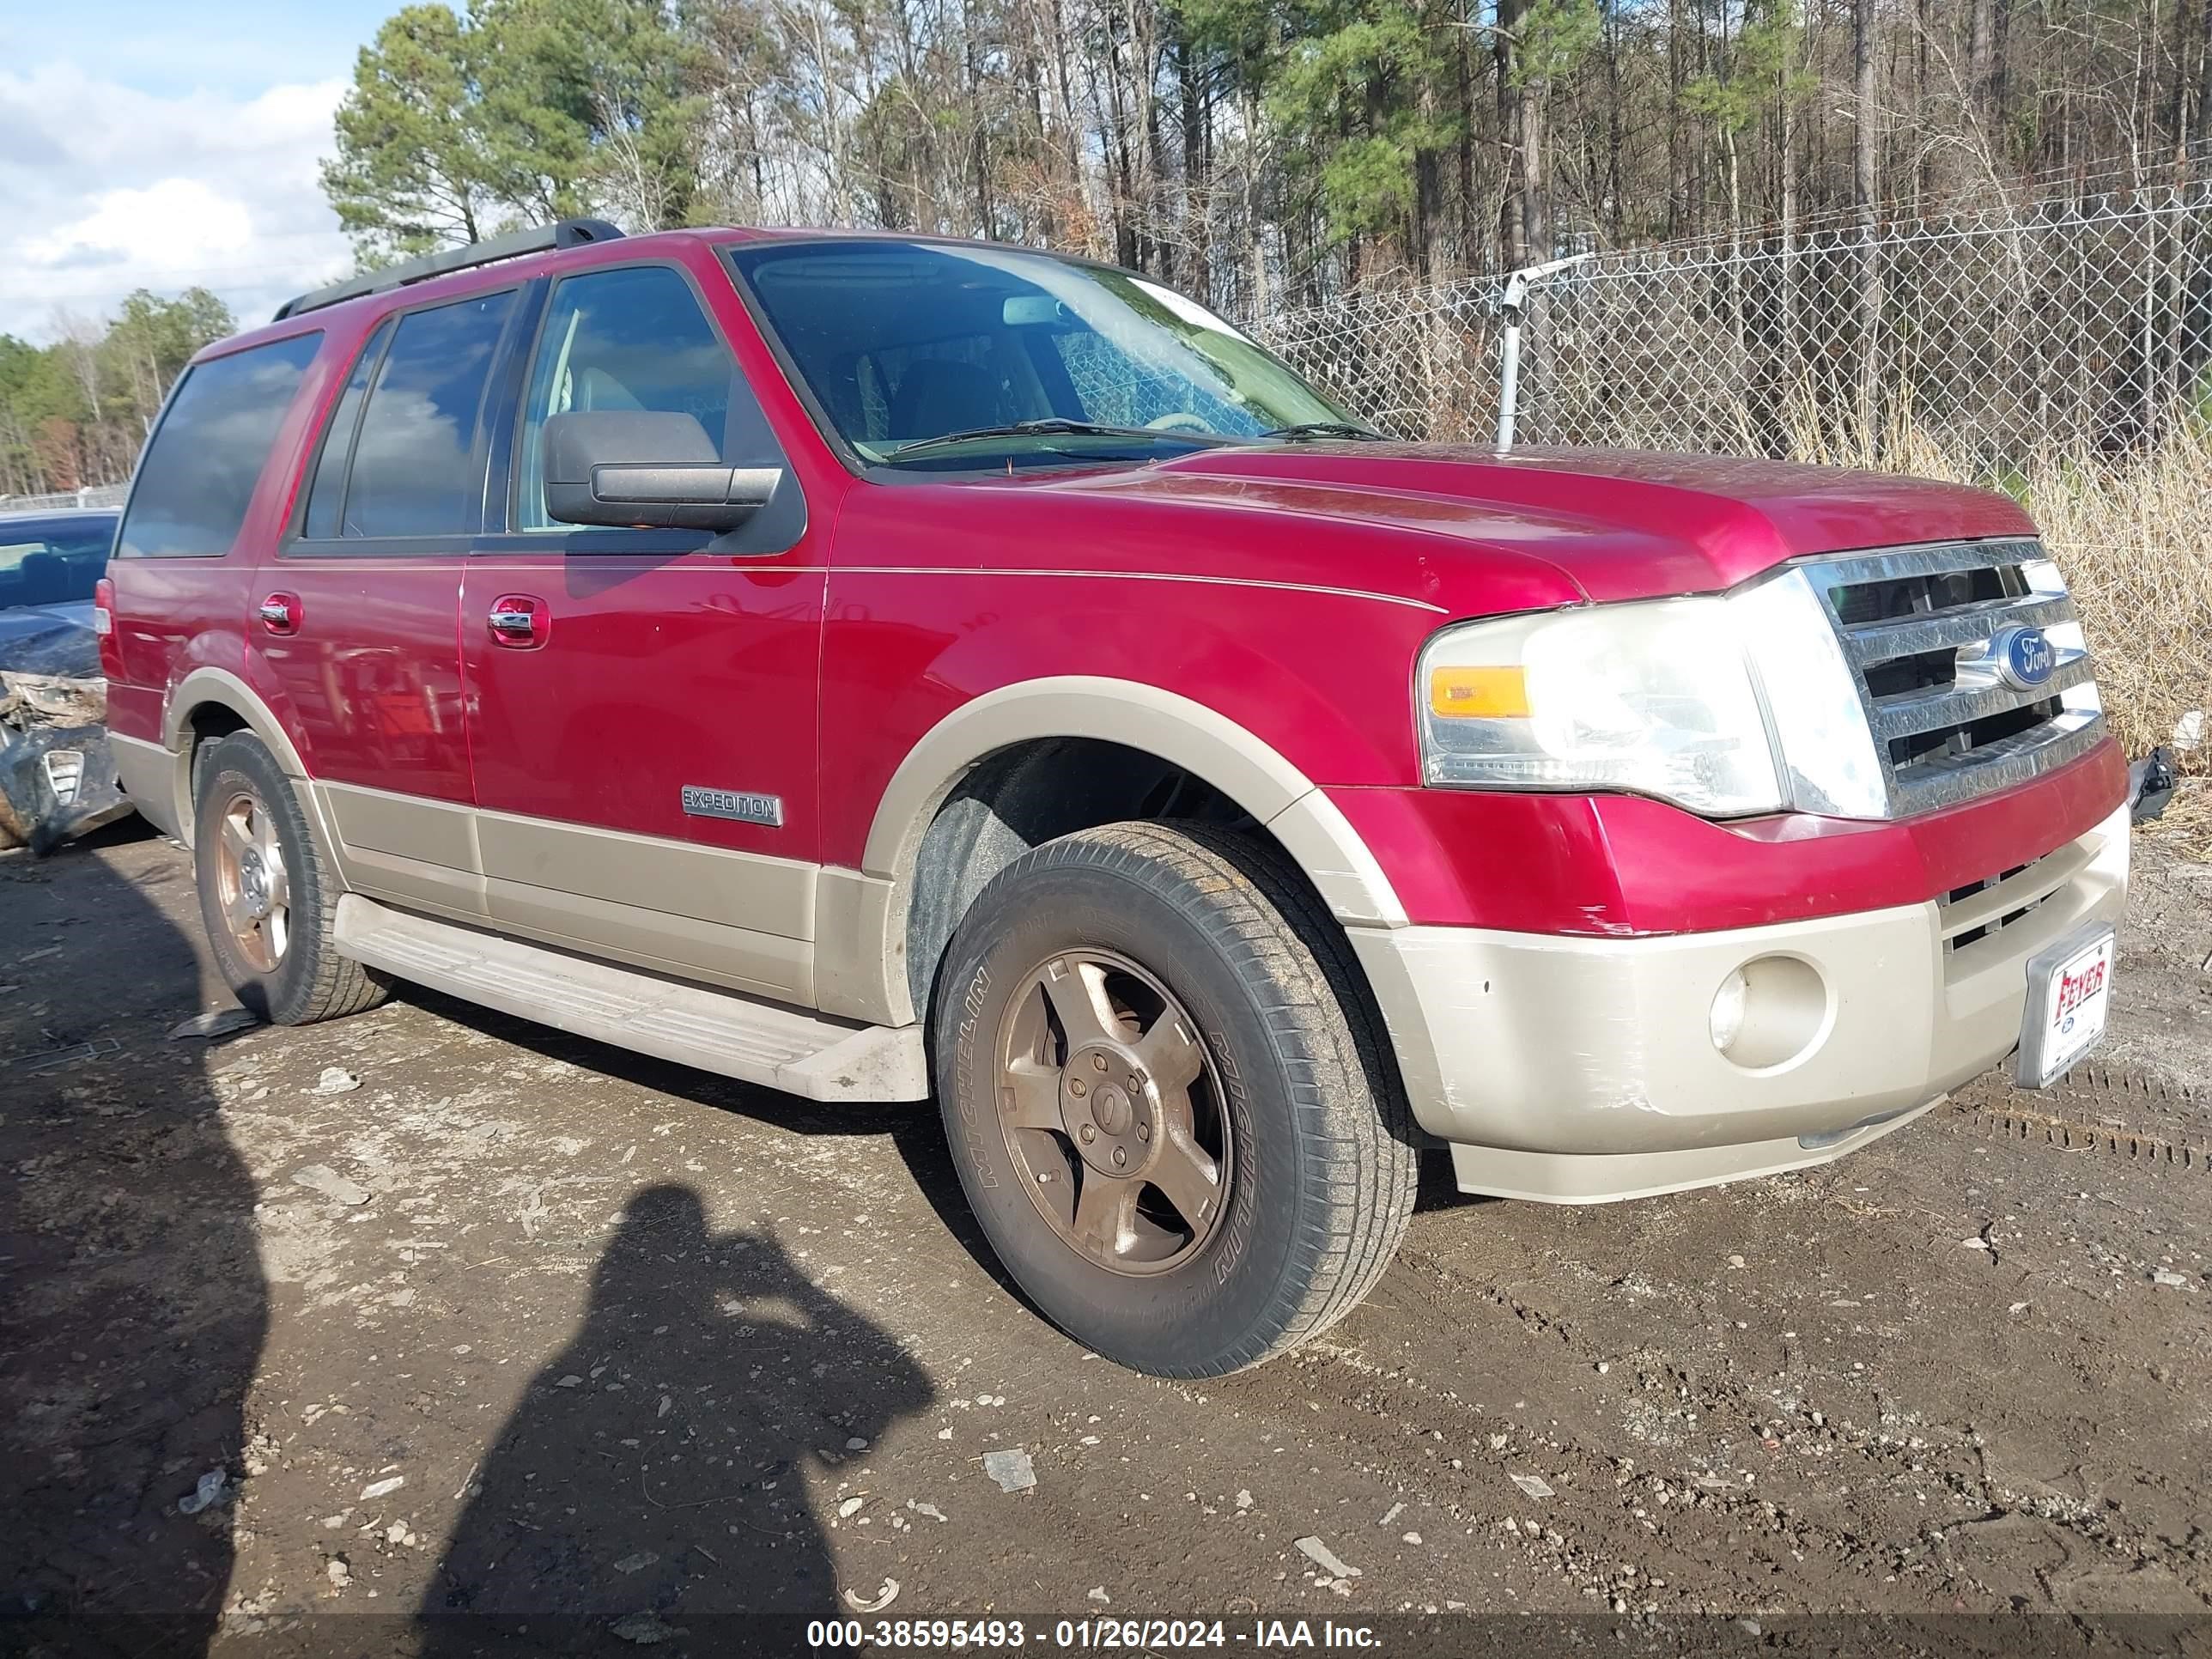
x: 1831, y: 765
x: 1654, y: 699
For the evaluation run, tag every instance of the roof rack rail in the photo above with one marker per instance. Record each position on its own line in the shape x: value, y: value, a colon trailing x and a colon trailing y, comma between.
x: 565, y: 233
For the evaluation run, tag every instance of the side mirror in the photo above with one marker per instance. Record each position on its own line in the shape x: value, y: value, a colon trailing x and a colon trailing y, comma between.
x: 628, y: 467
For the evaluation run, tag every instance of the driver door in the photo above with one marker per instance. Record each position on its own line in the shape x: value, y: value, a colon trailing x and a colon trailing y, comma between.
x: 641, y: 702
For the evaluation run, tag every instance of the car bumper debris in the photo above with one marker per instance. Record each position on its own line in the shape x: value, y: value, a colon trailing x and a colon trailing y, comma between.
x: 57, y: 778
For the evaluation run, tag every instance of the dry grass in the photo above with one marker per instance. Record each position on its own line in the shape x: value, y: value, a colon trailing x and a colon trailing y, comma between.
x: 2135, y: 539
x: 2187, y: 821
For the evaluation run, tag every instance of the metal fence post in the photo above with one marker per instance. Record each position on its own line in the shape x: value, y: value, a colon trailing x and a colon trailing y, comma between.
x: 1508, y: 371
x: 1509, y: 367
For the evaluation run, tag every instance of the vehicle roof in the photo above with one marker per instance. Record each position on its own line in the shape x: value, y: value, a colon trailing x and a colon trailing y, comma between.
x: 348, y: 318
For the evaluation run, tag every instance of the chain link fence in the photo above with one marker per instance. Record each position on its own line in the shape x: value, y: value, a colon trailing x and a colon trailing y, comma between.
x: 2078, y: 325
x: 1421, y: 362
x: 2058, y: 347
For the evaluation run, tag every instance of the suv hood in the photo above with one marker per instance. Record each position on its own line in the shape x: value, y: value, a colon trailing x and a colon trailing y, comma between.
x: 1619, y: 524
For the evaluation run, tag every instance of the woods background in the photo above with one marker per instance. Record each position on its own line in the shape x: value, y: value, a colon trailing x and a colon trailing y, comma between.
x: 1264, y: 154
x: 1257, y: 153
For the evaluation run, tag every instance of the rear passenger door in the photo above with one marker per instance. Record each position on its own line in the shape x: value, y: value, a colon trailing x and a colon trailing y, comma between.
x: 641, y: 702
x: 196, y: 499
x: 358, y: 616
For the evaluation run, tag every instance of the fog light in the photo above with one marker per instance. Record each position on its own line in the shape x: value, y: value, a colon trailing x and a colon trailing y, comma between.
x: 1728, y: 1005
x: 1771, y: 1012
x: 64, y: 769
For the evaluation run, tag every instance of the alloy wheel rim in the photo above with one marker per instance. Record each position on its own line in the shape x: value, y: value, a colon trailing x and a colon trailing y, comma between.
x: 252, y: 887
x: 1113, y: 1112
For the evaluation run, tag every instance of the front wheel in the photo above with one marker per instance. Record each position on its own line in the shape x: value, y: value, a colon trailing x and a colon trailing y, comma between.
x: 1165, y: 1097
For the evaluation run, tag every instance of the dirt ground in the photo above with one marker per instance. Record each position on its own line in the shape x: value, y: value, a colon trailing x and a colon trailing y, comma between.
x: 520, y: 1326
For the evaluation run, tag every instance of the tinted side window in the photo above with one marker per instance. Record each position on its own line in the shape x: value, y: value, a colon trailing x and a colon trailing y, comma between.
x: 197, y: 475
x: 631, y: 338
x: 327, y: 496
x: 416, y: 470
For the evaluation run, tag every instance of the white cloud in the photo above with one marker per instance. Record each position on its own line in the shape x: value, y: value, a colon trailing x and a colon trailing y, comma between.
x: 193, y: 226
x: 109, y: 189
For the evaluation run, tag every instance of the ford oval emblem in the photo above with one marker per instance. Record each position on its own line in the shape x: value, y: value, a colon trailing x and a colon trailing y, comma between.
x: 2024, y: 658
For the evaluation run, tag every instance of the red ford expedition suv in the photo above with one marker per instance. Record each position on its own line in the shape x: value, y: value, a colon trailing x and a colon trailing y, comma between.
x: 885, y: 668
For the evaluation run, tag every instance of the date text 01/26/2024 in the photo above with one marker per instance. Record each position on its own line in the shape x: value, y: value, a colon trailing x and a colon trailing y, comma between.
x: 1010, y: 1635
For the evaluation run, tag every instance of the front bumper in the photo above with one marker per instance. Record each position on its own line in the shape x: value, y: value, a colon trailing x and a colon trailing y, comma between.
x: 1578, y: 1069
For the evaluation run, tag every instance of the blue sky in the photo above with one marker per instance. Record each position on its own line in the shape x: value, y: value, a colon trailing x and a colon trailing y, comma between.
x: 166, y: 49
x: 158, y: 145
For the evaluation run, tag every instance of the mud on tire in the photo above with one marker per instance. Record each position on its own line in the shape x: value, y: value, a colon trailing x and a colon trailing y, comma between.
x: 1167, y: 1099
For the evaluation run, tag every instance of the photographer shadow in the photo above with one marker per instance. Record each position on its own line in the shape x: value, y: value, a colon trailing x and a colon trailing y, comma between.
x: 134, y: 1305
x: 655, y: 1475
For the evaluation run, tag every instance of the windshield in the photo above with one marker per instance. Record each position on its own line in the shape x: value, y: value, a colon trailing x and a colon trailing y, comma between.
x: 903, y: 344
x: 57, y: 562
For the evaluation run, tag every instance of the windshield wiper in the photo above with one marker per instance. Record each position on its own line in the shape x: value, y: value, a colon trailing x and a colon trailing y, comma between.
x: 1051, y: 426
x: 1304, y: 429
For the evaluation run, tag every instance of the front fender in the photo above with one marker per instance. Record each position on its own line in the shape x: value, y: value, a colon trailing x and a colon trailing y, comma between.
x: 862, y: 917
x: 1177, y: 729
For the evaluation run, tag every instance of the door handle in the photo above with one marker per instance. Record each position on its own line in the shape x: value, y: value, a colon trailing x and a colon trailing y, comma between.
x: 517, y: 620
x: 280, y: 613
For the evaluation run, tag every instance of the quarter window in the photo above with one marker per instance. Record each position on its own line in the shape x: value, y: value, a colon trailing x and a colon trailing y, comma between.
x: 196, y: 477
x: 327, y: 496
x: 416, y: 468
x: 629, y: 338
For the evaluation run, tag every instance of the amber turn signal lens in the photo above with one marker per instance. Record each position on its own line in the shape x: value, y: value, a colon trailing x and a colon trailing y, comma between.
x: 1478, y: 693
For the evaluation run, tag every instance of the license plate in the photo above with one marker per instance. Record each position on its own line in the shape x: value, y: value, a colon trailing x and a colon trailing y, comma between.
x: 2070, y: 991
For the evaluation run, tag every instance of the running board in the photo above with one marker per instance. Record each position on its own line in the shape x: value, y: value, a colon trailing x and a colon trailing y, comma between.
x: 724, y: 1031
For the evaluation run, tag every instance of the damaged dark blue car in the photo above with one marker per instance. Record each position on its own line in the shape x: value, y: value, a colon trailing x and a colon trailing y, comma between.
x: 57, y: 777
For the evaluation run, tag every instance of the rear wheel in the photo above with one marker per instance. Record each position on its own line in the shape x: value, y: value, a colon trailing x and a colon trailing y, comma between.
x: 1165, y: 1099
x: 268, y: 905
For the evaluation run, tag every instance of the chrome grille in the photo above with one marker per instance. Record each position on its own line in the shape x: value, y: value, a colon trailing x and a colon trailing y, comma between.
x: 1921, y: 628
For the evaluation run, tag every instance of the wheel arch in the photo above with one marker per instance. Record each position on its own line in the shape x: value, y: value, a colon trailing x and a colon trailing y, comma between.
x: 212, y: 702
x: 1241, y: 769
